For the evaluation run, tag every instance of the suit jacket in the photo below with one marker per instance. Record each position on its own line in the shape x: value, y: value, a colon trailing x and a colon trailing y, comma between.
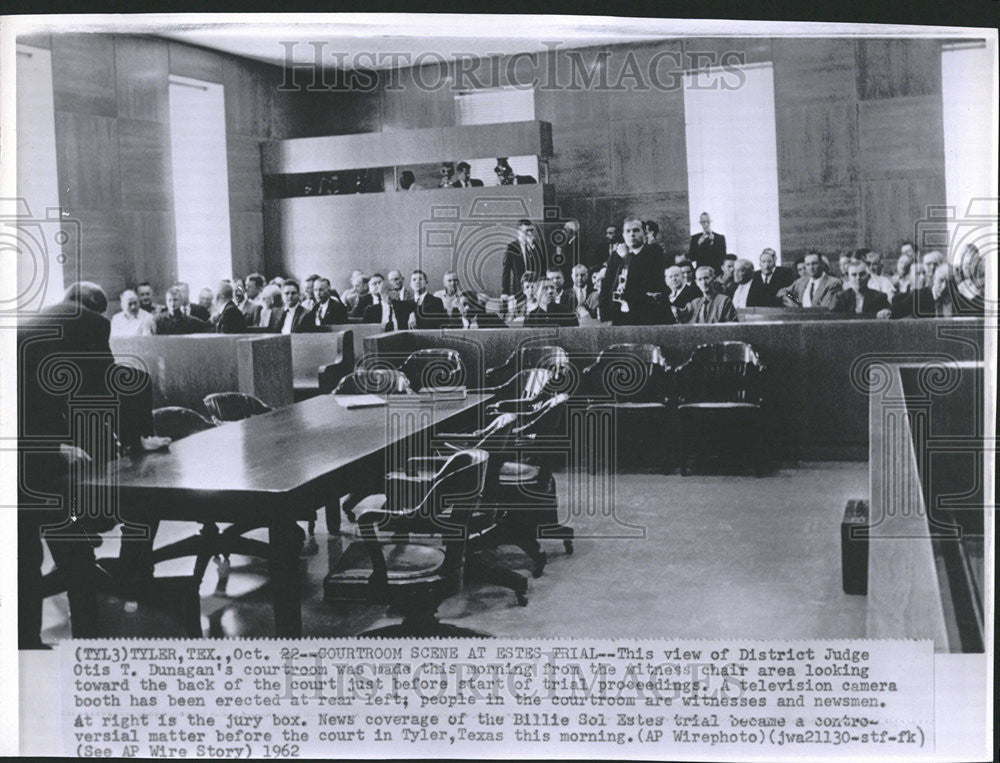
x: 687, y: 294
x: 557, y: 315
x: 570, y: 299
x: 592, y: 303
x: 715, y: 309
x: 251, y: 311
x: 178, y: 323
x: 513, y: 266
x: 826, y: 290
x: 363, y: 303
x: 485, y: 320
x: 920, y: 303
x: 336, y: 314
x: 846, y: 302
x: 780, y: 278
x: 401, y: 307
x: 430, y: 313
x: 300, y: 323
x: 230, y: 320
x: 199, y: 312
x: 758, y: 295
x: 645, y: 274
x: 473, y: 182
x: 708, y: 253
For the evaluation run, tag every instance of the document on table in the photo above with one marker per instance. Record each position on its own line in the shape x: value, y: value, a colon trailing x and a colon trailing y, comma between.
x: 360, y: 401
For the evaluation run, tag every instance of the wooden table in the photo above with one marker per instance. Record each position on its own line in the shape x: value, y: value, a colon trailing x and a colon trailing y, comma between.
x: 276, y: 469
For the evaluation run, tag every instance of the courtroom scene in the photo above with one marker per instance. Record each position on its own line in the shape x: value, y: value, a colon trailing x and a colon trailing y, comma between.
x: 628, y: 337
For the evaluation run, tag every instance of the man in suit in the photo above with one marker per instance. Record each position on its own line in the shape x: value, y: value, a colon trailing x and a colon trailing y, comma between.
x: 725, y: 278
x: 473, y: 315
x: 308, y: 300
x: 567, y: 252
x: 877, y: 280
x: 942, y: 299
x: 603, y: 250
x: 747, y: 290
x: 228, y: 318
x: 563, y: 296
x: 395, y: 277
x: 172, y: 321
x: 711, y: 307
x: 857, y: 298
x: 372, y: 296
x: 522, y: 254
x: 679, y: 294
x: 707, y: 247
x: 428, y: 311
x: 815, y: 289
x: 203, y: 309
x: 293, y: 319
x: 359, y: 287
x: 772, y: 277
x: 633, y: 279
x: 462, y: 179
x: 451, y: 293
x: 549, y: 312
x: 576, y: 295
x: 328, y: 310
x: 652, y: 230
x: 251, y: 304
x: 132, y: 321
x: 390, y: 311
x: 144, y: 291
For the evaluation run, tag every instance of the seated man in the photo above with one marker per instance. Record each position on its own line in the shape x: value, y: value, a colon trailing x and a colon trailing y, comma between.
x: 251, y: 305
x: 746, y: 290
x: 711, y: 307
x: 876, y: 279
x: 451, y: 293
x: 678, y: 294
x: 308, y: 300
x: 941, y: 299
x: 395, y: 277
x: 593, y: 300
x: 328, y: 310
x: 725, y: 278
x: 549, y: 312
x: 771, y: 276
x: 359, y: 287
x: 132, y: 321
x: 429, y: 312
x: 816, y: 289
x: 173, y: 322
x: 372, y: 296
x: 524, y: 300
x: 228, y: 318
x: 473, y: 315
x: 270, y: 305
x: 687, y: 271
x: 576, y: 295
x: 390, y: 311
x: 145, y: 292
x: 203, y: 309
x: 559, y: 283
x: 462, y: 179
x: 293, y: 319
x: 857, y: 298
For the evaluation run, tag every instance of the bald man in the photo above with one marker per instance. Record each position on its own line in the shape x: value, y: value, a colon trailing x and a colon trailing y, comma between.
x: 132, y: 320
x: 746, y: 290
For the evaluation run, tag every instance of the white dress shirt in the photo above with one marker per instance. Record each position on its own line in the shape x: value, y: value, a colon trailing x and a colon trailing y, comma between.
x: 389, y: 315
x: 811, y: 287
x: 286, y: 327
x: 741, y: 294
x: 126, y: 324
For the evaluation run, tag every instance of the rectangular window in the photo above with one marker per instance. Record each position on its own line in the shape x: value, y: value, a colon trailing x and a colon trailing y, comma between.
x: 732, y: 157
x: 491, y: 106
x: 201, y: 182
x: 967, y: 91
x: 37, y: 183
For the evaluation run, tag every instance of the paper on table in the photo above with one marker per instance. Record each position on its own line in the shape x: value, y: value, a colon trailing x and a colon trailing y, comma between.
x: 360, y: 401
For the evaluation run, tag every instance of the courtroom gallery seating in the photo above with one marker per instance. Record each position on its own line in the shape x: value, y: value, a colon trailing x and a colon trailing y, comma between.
x: 414, y: 578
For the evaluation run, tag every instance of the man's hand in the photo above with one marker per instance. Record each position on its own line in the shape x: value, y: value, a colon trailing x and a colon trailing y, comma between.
x: 154, y: 443
x: 621, y: 250
x: 883, y: 314
x: 73, y: 454
x: 411, y: 322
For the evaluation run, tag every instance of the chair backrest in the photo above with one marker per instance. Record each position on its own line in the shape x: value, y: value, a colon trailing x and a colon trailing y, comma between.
x: 177, y: 423
x: 436, y: 367
x: 375, y: 381
x: 234, y: 406
x: 546, y: 419
x: 451, y: 501
x: 552, y: 357
x: 629, y: 372
x: 725, y: 372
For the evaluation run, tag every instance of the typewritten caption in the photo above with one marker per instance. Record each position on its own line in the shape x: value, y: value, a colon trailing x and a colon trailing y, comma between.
x: 288, y: 699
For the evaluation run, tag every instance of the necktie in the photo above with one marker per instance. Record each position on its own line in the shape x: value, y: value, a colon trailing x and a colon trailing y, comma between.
x: 812, y: 291
x: 767, y: 280
x: 703, y: 312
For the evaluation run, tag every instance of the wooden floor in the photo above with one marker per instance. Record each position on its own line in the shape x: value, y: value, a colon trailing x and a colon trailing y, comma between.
x: 699, y: 556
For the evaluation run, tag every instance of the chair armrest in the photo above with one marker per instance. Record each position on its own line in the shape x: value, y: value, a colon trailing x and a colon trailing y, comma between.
x: 413, y: 464
x: 517, y: 405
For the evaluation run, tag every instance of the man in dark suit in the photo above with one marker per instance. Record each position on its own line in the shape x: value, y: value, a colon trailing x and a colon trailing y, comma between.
x: 771, y: 276
x: 604, y: 249
x: 293, y: 319
x: 549, y: 312
x: 746, y: 290
x: 652, y: 230
x: 203, y: 309
x: 328, y: 310
x: 462, y: 179
x: 371, y: 297
x: 857, y: 298
x: 941, y: 299
x: 632, y: 280
x: 429, y: 312
x: 679, y: 293
x: 228, y: 318
x: 390, y: 311
x: 144, y: 291
x: 521, y: 255
x: 172, y: 321
x: 707, y: 247
x: 473, y: 315
x: 576, y: 295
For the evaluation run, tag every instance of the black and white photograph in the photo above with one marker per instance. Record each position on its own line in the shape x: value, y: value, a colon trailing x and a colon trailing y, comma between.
x: 348, y: 328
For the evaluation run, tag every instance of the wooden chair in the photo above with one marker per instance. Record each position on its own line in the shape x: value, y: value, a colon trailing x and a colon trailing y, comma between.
x: 414, y: 578
x: 719, y: 393
x: 234, y: 406
x: 630, y: 381
x: 375, y: 381
x: 177, y: 422
x: 553, y: 357
x: 434, y: 368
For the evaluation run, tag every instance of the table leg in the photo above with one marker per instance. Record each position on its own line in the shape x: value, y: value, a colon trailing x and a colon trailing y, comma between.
x: 285, y: 539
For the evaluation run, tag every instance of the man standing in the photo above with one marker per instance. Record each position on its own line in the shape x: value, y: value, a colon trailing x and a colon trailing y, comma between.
x: 145, y: 292
x: 549, y: 312
x: 815, y: 289
x: 857, y: 298
x: 711, y: 307
x: 567, y: 253
x: 293, y: 319
x: 462, y: 179
x: 132, y: 321
x: 772, y: 277
x: 328, y: 310
x: 451, y: 294
x: 521, y: 255
x: 228, y: 318
x: 747, y: 290
x: 172, y: 321
x: 707, y: 247
x: 428, y: 311
x: 632, y: 279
